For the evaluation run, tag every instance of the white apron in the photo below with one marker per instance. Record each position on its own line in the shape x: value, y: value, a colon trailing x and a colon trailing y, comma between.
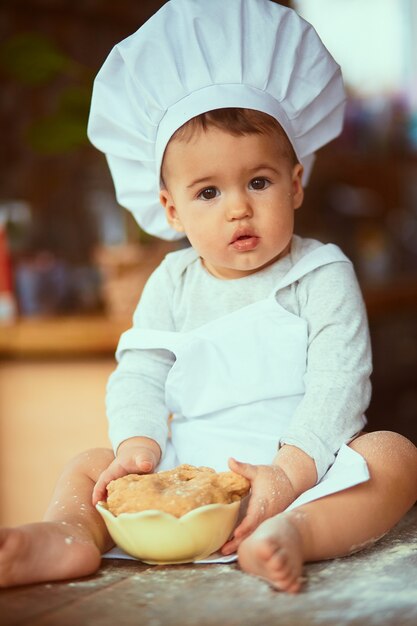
x: 237, y: 380
x: 235, y: 384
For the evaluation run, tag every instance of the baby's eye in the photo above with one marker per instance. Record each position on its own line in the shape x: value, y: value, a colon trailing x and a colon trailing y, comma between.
x: 259, y: 183
x: 208, y: 193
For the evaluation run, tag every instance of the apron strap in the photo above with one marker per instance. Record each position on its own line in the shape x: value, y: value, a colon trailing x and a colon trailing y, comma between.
x: 324, y: 255
x: 148, y: 339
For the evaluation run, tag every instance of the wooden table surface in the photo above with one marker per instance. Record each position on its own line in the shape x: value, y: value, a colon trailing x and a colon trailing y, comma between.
x: 377, y: 586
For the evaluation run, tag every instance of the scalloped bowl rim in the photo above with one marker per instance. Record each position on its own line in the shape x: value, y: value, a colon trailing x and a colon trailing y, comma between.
x: 157, y: 537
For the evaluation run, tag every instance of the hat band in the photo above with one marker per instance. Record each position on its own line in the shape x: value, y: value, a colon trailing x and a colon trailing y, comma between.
x: 217, y: 97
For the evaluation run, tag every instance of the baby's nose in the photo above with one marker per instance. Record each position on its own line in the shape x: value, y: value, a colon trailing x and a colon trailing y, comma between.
x: 238, y: 207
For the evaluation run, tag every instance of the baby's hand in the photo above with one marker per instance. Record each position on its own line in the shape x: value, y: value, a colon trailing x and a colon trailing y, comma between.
x: 271, y: 493
x: 138, y: 455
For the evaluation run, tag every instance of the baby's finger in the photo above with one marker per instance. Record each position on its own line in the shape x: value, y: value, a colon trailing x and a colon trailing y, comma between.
x: 247, y: 526
x: 99, y: 491
x: 111, y: 473
x: 244, y: 469
x: 230, y: 546
x: 258, y: 511
x: 145, y: 460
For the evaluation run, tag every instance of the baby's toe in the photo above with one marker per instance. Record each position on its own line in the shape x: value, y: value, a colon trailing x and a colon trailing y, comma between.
x: 294, y: 586
x: 283, y: 571
x: 280, y: 564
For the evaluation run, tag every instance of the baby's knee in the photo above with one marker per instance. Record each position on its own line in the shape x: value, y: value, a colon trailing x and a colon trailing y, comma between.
x: 386, y: 444
x: 92, y: 461
x: 390, y: 453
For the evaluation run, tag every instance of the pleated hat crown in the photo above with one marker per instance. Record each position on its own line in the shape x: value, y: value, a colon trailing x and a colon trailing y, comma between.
x: 194, y: 56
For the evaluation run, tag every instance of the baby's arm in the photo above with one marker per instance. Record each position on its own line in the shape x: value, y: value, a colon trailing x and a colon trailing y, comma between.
x: 337, y: 392
x: 135, y: 398
x: 337, y: 379
x: 273, y: 488
x: 137, y: 455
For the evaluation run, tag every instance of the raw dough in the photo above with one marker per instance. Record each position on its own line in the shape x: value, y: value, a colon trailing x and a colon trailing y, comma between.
x: 175, y: 491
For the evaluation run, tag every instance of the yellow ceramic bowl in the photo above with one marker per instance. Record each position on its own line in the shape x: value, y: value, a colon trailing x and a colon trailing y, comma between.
x: 157, y: 537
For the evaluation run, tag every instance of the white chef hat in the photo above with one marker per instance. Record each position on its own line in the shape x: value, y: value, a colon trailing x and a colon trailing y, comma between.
x: 194, y: 56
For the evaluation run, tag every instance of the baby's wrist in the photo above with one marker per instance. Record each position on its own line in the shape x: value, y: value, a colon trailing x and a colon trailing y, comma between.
x: 298, y: 467
x: 284, y: 493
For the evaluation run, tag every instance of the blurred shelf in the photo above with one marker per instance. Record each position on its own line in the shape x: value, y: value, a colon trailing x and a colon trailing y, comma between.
x: 98, y: 335
x: 61, y: 337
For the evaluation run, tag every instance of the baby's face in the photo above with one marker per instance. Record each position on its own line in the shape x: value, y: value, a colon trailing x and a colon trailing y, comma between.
x: 234, y: 197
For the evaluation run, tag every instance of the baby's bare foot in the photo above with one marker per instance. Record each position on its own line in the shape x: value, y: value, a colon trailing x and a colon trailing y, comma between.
x: 274, y: 552
x: 45, y: 551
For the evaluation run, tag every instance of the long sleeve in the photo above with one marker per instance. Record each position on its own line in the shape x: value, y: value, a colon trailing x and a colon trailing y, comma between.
x: 135, y: 397
x: 337, y: 379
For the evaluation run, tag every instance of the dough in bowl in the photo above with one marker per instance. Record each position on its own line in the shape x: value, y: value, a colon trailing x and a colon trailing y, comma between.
x: 175, y: 491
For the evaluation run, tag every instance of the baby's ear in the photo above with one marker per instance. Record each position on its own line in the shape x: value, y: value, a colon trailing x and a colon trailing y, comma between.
x: 297, y: 184
x: 167, y: 202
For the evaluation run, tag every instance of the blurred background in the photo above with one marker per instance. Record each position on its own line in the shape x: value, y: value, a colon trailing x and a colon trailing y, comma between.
x: 73, y: 263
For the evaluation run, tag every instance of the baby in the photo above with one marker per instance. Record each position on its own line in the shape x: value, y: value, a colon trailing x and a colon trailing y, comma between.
x: 253, y: 339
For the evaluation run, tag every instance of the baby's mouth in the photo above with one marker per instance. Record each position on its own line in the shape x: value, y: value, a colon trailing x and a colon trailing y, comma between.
x: 243, y: 241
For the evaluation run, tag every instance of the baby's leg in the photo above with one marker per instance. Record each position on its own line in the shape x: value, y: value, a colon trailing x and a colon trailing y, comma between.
x: 341, y: 523
x: 70, y: 540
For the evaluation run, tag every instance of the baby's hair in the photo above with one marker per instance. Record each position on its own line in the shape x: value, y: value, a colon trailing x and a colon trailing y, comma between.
x: 236, y: 121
